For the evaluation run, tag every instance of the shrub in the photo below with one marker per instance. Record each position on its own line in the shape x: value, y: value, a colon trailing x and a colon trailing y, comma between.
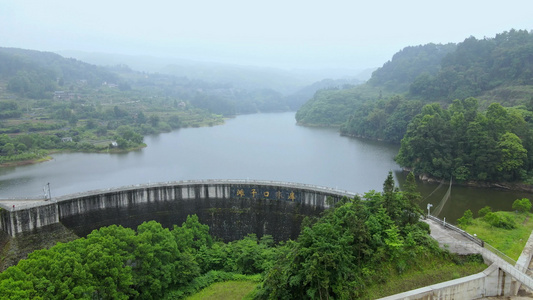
x: 522, y: 205
x: 466, y: 219
x: 496, y: 220
x: 484, y: 211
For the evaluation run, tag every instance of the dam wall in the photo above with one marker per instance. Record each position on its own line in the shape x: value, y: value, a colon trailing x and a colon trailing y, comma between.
x: 232, y: 208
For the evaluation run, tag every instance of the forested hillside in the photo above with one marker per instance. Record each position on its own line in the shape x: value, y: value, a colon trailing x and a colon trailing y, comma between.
x: 334, y: 108
x: 37, y: 75
x: 477, y: 66
x: 50, y: 103
x: 425, y: 99
x: 493, y: 69
x: 409, y: 63
x: 384, y: 119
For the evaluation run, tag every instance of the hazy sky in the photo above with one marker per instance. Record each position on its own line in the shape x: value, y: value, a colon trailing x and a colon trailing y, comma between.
x: 289, y: 33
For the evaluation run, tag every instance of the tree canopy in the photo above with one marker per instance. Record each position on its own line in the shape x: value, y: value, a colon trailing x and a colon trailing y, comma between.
x: 498, y: 69
x: 465, y: 144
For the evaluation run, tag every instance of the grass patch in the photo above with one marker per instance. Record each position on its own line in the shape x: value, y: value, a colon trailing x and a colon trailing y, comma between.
x: 226, y: 290
x: 209, y: 279
x: 429, y: 270
x: 509, y: 241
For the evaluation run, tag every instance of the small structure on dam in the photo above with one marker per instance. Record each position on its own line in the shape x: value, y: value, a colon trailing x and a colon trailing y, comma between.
x: 231, y: 208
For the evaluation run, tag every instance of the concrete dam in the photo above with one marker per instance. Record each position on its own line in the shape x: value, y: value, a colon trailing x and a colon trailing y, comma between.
x: 231, y: 208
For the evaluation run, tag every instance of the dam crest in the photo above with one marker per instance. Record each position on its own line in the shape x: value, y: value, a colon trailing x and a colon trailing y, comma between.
x: 231, y: 208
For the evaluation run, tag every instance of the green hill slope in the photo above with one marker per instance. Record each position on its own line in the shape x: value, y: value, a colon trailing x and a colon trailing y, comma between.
x: 498, y: 69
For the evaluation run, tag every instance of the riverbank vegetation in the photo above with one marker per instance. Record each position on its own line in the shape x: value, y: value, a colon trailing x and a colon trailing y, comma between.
x: 507, y: 231
x: 355, y: 246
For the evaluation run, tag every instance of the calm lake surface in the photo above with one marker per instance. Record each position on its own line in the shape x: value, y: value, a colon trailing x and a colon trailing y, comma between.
x: 258, y: 146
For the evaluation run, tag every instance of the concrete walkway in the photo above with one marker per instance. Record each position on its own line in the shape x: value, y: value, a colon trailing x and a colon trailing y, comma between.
x: 9, y: 204
x: 457, y: 243
x: 452, y: 240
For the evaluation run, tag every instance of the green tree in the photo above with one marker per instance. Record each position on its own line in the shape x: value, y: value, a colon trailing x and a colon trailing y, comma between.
x: 410, y: 189
x: 154, y: 120
x: 513, y: 156
x: 468, y: 145
x: 192, y: 234
x: 8, y: 149
x: 141, y: 118
x: 159, y: 264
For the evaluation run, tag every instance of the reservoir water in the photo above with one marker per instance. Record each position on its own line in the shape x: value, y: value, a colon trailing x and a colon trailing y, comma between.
x: 258, y: 146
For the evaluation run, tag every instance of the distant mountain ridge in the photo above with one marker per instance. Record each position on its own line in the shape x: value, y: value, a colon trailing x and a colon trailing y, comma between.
x: 36, y: 74
x: 238, y: 76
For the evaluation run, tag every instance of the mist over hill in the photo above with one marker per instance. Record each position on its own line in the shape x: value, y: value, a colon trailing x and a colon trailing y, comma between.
x: 285, y: 81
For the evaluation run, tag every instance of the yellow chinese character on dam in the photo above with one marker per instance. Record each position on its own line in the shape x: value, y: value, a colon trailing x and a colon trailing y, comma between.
x: 266, y: 194
x: 240, y: 193
x: 292, y: 196
x: 253, y: 193
x: 278, y: 194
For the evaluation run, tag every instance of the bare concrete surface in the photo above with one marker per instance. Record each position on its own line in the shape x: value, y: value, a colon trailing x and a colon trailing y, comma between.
x: 509, y: 297
x: 457, y: 243
x: 18, y: 204
x: 454, y: 241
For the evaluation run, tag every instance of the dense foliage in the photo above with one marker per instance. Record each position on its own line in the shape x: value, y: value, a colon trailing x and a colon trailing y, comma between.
x: 522, y: 205
x: 333, y: 106
x: 37, y: 75
x: 119, y: 263
x: 480, y: 65
x: 350, y: 247
x: 463, y: 143
x: 383, y: 119
x: 407, y: 64
x: 357, y: 243
x: 496, y: 69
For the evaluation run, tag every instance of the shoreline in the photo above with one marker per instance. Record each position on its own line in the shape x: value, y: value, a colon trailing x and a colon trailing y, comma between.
x: 26, y: 162
x: 49, y: 157
x: 510, y: 186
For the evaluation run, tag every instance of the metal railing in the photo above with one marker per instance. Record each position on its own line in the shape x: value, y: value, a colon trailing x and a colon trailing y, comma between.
x: 482, y: 247
x: 457, y: 229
